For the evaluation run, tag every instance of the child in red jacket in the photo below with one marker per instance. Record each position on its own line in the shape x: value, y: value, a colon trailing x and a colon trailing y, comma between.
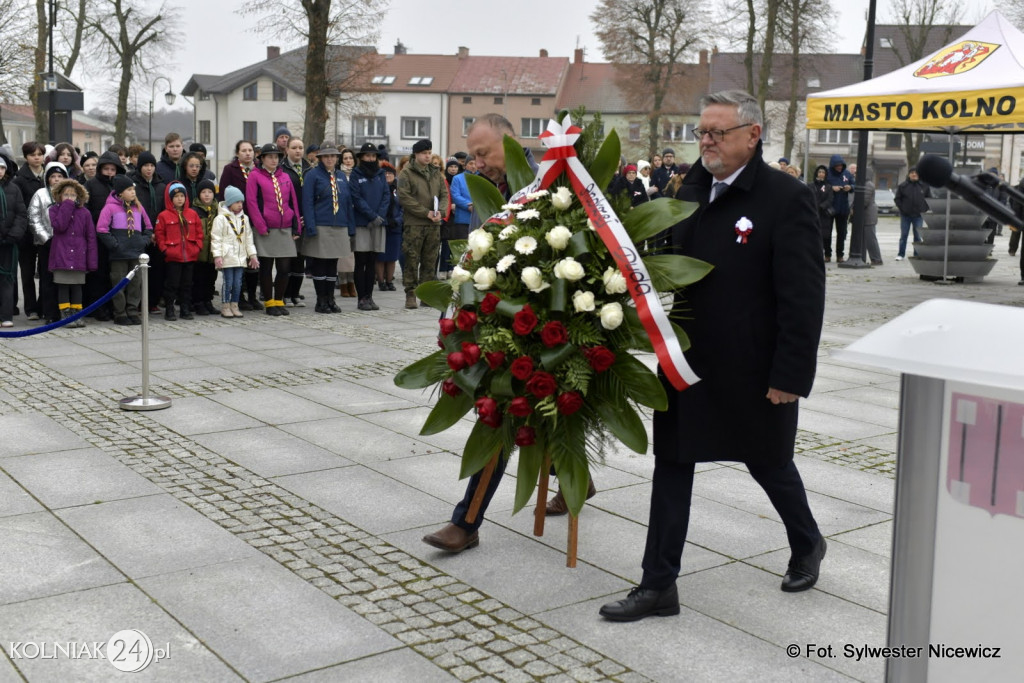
x: 179, y: 237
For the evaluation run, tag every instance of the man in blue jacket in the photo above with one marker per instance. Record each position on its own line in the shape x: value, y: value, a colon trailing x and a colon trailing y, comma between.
x: 842, y: 182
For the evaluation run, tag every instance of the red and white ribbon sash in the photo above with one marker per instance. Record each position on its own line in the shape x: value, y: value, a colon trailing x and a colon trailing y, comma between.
x: 561, y: 156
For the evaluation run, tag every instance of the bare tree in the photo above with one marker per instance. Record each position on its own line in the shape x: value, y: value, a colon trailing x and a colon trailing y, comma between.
x: 923, y: 25
x: 69, y: 22
x: 16, y: 57
x: 132, y: 40
x: 807, y: 30
x: 648, y: 40
x: 330, y: 27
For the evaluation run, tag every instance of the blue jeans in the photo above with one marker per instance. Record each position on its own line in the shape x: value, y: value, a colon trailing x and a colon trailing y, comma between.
x: 905, y: 223
x: 232, y: 286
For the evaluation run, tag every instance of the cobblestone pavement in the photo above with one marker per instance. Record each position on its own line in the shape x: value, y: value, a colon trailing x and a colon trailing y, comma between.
x: 504, y: 612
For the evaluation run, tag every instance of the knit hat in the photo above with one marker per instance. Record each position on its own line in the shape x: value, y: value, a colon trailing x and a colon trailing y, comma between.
x: 232, y: 195
x: 174, y: 189
x: 628, y: 168
x: 668, y: 150
x: 3, y: 163
x: 422, y: 146
x: 54, y: 167
x: 784, y: 160
x: 683, y: 169
x: 121, y: 183
x: 197, y: 147
x: 312, y: 148
x: 282, y: 131
x: 145, y: 158
x: 206, y: 184
x: 370, y: 148
x: 461, y: 156
x: 642, y: 164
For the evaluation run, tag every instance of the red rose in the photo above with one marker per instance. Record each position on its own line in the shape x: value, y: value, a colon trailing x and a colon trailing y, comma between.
x: 447, y: 326
x: 525, y: 436
x: 569, y: 402
x: 489, y: 304
x: 522, y: 367
x: 524, y: 321
x: 495, y: 359
x: 456, y: 361
x: 450, y: 387
x: 472, y: 353
x: 487, y: 409
x: 520, y: 407
x: 440, y: 344
x: 553, y: 334
x: 599, y: 357
x: 541, y: 384
x: 465, y: 320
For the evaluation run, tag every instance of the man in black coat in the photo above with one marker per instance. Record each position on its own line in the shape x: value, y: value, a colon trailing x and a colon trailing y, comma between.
x: 754, y: 324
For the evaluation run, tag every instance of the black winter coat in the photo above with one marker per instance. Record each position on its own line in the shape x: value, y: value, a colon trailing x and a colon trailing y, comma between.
x: 754, y: 321
x: 13, y: 218
x: 911, y: 197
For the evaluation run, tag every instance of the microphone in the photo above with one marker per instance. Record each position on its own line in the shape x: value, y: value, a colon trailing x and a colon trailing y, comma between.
x: 938, y: 172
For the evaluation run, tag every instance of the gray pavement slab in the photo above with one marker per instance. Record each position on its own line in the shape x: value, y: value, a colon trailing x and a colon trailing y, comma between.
x: 350, y: 398
x: 78, y: 477
x: 274, y: 406
x: 270, y: 452
x: 14, y: 499
x: 263, y: 620
x: 154, y: 535
x: 397, y: 665
x: 358, y: 440
x: 94, y: 616
x: 47, y: 436
x: 200, y: 415
x: 876, y: 538
x: 42, y: 557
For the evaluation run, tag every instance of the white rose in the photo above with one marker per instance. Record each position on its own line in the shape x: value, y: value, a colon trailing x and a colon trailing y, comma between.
x: 483, y: 278
x: 569, y: 269
x: 583, y: 302
x: 526, y: 245
x: 533, y: 279
x: 460, y: 275
x: 562, y: 198
x: 480, y: 241
x: 527, y: 214
x: 614, y: 282
x: 611, y: 315
x: 558, y: 237
x: 505, y: 262
x: 507, y: 232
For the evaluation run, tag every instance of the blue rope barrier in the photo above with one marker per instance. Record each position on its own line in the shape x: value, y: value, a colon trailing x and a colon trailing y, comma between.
x: 85, y: 311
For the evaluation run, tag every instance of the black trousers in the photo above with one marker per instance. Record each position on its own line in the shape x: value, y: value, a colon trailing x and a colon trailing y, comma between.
x: 28, y: 254
x: 178, y: 284
x: 365, y: 273
x: 459, y: 514
x: 671, y: 491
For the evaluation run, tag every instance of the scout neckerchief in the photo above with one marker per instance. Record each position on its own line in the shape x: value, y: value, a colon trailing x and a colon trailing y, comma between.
x: 238, y: 232
x: 277, y: 193
x: 245, y: 171
x: 334, y: 193
x: 130, y: 218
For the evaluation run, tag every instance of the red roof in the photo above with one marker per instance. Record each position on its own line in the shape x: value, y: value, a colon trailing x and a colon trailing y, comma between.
x: 510, y: 75
x: 404, y: 69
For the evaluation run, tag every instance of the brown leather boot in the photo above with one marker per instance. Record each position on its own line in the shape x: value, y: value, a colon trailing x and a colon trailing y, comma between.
x: 352, y: 289
x: 343, y: 289
x: 452, y: 539
x: 556, y: 506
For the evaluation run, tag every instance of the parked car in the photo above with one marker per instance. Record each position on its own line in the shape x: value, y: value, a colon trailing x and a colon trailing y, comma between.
x: 885, y: 201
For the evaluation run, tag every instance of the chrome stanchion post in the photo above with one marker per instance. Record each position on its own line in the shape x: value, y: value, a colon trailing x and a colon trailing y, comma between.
x: 145, y: 401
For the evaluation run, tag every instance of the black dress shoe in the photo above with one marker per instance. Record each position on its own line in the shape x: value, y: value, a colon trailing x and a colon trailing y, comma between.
x: 802, y: 573
x: 643, y: 602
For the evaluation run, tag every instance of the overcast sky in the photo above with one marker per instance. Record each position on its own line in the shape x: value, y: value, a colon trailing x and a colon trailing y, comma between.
x: 216, y: 41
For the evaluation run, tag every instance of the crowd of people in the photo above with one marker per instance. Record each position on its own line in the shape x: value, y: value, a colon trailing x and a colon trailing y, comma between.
x: 72, y: 226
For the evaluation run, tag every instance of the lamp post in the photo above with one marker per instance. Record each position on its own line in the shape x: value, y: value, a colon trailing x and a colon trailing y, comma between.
x: 168, y: 96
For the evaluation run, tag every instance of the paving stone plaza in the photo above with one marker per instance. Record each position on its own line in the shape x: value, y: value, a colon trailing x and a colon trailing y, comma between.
x: 267, y: 525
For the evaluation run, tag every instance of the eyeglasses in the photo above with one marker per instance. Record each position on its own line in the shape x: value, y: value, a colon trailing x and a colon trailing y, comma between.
x: 716, y: 134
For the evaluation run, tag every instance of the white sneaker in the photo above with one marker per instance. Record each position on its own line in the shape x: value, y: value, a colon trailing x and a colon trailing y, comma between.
x: 899, y: 258
x: 7, y: 323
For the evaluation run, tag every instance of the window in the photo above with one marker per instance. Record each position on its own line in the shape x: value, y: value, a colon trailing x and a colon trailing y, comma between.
x: 499, y: 100
x: 280, y: 93
x: 87, y: 147
x: 204, y: 132
x: 813, y: 82
x: 634, y: 132
x: 467, y: 121
x: 885, y: 42
x: 382, y: 80
x: 894, y: 140
x: 249, y: 94
x: 532, y: 128
x: 368, y: 126
x: 535, y: 101
x: 421, y: 80
x: 837, y: 137
x: 679, y: 132
x: 249, y: 131
x: 415, y: 128
x: 467, y: 100
x: 203, y: 95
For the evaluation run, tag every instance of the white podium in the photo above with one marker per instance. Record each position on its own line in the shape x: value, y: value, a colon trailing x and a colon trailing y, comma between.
x: 957, y: 578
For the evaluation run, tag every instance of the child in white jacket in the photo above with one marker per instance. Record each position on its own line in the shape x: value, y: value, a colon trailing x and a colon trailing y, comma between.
x: 232, y: 247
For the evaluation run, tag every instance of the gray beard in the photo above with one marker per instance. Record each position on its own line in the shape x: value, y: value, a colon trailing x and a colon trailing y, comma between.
x: 712, y: 167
